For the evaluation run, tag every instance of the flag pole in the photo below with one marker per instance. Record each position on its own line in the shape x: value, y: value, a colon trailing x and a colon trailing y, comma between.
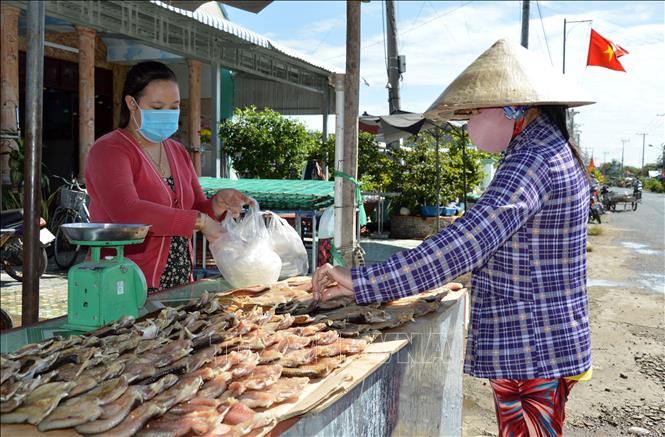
x: 570, y: 114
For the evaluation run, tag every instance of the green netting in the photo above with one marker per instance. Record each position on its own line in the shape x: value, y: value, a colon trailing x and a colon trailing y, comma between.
x: 277, y: 194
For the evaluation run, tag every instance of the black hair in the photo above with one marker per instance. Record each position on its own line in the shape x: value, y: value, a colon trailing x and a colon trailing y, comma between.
x: 138, y: 77
x: 557, y: 115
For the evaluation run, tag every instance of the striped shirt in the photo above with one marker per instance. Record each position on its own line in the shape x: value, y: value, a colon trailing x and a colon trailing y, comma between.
x: 525, y: 242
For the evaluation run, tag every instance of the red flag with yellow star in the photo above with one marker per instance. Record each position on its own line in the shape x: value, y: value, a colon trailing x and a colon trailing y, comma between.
x: 604, y: 53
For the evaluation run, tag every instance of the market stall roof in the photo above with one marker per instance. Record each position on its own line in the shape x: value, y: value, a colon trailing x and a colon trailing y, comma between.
x: 254, y: 6
x: 277, y: 194
x: 193, y: 35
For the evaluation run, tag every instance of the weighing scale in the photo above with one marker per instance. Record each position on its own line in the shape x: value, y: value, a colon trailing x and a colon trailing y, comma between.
x: 101, y: 291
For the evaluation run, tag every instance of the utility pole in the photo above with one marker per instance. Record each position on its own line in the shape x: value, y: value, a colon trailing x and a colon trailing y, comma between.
x: 623, y: 146
x: 350, y: 163
x: 393, y: 58
x: 525, y: 23
x: 33, y: 163
x: 644, y: 135
x: 604, y: 157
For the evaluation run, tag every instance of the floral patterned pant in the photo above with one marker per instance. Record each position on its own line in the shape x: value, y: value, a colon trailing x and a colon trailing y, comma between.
x: 531, y: 407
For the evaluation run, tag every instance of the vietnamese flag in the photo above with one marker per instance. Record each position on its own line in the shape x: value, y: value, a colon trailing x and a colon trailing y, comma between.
x: 604, y: 53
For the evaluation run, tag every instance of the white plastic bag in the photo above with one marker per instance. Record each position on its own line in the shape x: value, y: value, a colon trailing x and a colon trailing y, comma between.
x: 327, y: 223
x: 287, y: 244
x: 244, y: 253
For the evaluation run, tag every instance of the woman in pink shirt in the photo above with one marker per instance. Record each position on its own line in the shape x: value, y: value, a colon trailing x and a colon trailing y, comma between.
x: 137, y: 174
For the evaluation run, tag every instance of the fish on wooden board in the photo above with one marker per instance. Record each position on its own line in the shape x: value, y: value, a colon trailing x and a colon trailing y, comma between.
x: 318, y: 369
x: 39, y: 403
x: 283, y: 390
x: 118, y: 410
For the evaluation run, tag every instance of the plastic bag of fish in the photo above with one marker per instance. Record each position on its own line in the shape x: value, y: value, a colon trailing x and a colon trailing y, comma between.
x: 244, y: 253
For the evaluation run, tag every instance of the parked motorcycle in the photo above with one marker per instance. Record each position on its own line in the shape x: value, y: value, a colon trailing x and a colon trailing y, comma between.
x: 11, y: 243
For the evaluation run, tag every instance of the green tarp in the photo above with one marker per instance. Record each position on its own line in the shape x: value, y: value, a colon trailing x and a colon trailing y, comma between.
x: 277, y: 194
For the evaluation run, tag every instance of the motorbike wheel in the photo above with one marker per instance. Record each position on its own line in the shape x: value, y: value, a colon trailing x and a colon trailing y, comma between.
x: 65, y: 253
x: 634, y: 206
x: 15, y: 268
x: 5, y: 321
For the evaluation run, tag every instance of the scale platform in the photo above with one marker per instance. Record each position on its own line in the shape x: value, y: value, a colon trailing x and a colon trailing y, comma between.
x: 101, y: 291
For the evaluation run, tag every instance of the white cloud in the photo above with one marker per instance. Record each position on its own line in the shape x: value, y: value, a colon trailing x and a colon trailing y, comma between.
x: 442, y: 42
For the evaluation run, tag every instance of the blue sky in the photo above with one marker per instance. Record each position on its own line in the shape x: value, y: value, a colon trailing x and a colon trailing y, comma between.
x: 440, y: 38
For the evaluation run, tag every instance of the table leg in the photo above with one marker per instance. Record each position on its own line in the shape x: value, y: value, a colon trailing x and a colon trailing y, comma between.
x: 194, y: 255
x: 203, y: 257
x: 315, y: 245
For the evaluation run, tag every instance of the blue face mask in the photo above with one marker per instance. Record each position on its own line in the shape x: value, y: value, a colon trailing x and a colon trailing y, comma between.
x: 158, y: 124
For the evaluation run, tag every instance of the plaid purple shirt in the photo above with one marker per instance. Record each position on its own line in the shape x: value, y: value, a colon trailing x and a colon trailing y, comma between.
x: 525, y: 242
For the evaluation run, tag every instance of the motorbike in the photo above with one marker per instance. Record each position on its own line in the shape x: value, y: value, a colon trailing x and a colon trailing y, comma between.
x: 637, y: 190
x: 11, y: 243
x: 596, y: 208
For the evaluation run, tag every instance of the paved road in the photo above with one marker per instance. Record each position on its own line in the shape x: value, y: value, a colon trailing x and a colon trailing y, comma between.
x: 644, y: 234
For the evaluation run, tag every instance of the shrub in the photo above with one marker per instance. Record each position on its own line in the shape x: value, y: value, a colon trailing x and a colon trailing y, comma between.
x: 265, y: 144
x: 653, y: 184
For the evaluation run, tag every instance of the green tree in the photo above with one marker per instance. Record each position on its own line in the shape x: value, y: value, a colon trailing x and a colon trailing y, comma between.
x: 414, y: 170
x: 265, y: 144
x: 374, y: 165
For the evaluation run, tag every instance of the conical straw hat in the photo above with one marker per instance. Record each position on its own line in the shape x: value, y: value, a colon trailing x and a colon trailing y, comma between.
x: 506, y: 74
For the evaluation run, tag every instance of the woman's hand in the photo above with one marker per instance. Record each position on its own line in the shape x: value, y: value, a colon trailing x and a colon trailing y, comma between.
x: 230, y: 200
x: 330, y: 282
x: 209, y: 227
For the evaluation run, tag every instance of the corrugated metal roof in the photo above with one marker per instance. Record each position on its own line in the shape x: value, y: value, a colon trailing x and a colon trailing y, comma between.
x: 244, y: 34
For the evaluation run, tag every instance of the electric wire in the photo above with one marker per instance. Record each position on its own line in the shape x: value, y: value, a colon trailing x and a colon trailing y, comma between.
x: 414, y: 27
x: 542, y: 24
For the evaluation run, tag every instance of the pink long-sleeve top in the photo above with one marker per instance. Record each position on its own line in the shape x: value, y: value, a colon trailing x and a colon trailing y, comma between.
x: 125, y: 187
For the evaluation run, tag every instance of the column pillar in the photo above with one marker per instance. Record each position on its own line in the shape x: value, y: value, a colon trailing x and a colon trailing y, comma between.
x: 9, y: 76
x: 119, y: 76
x: 194, y: 122
x: 86, y: 94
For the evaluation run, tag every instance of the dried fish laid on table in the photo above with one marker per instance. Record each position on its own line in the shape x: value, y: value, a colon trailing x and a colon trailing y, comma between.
x: 260, y: 378
x: 39, y: 403
x: 8, y: 368
x: 117, y: 411
x: 297, y: 358
x: 283, y: 390
x: 343, y: 346
x: 276, y: 296
x: 318, y: 369
x: 19, y: 390
x: 197, y: 416
x: 84, y: 408
x: 241, y: 420
x: 135, y: 420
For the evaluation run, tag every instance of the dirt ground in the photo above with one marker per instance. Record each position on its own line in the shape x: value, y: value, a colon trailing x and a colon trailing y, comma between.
x: 628, y: 344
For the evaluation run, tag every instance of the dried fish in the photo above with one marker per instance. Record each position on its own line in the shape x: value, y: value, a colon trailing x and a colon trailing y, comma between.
x: 298, y: 358
x: 216, y: 386
x: 35, y: 365
x: 8, y: 368
x: 270, y: 355
x: 116, y: 411
x: 260, y: 378
x: 86, y: 408
x: 38, y: 404
x: 241, y: 420
x: 157, y: 406
x: 32, y: 349
x: 282, y: 390
x: 21, y: 390
x: 325, y: 337
x: 343, y: 346
x: 319, y: 369
x: 197, y: 416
